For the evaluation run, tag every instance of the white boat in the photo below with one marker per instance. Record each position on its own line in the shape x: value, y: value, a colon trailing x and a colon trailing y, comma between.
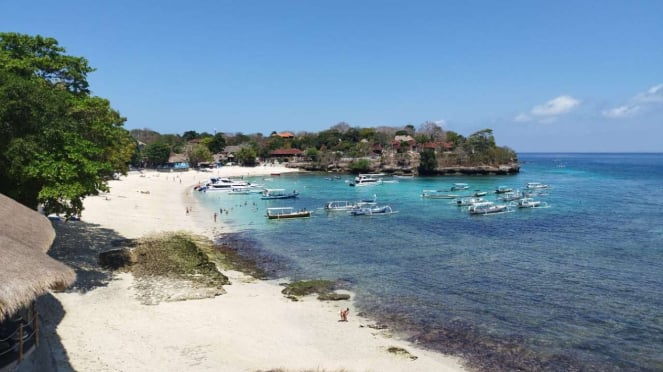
x: 404, y: 176
x: 511, y: 196
x: 468, y: 201
x: 480, y: 193
x: 286, y: 212
x: 487, y: 208
x: 530, y: 203
x: 372, y: 211
x: 536, y: 186
x: 367, y: 179
x: 460, y: 186
x: 269, y: 194
x: 224, y: 184
x: 438, y: 194
x: 339, y: 206
x: 246, y: 190
x: 503, y: 189
x: 345, y: 205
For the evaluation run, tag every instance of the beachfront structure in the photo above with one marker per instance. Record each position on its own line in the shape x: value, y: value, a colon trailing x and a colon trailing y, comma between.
x: 286, y: 154
x: 26, y: 273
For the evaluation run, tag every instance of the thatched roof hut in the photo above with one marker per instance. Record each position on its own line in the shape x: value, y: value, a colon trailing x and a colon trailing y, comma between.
x: 26, y: 271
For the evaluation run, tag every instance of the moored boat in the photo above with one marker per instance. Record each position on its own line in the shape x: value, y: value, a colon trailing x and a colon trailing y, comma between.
x: 468, y: 201
x: 503, y: 189
x: 484, y: 208
x: 460, y: 186
x: 530, y: 203
x: 372, y: 211
x: 511, y: 196
x: 269, y: 194
x: 536, y: 186
x: 286, y: 212
x: 367, y: 179
x: 438, y: 194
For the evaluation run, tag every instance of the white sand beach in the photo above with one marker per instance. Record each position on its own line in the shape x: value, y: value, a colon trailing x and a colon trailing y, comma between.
x: 252, y: 327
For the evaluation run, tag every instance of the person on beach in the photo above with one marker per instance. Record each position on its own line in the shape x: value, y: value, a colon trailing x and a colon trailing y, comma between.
x: 344, y: 314
x: 214, y: 216
x: 187, y: 211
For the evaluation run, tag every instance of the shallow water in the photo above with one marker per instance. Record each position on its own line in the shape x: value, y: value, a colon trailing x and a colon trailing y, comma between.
x: 576, y: 286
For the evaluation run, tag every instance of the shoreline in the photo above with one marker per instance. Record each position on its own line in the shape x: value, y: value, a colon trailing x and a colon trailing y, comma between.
x: 250, y: 327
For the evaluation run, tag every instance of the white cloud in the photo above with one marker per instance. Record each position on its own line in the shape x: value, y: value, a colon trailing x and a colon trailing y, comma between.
x: 440, y: 122
x: 548, y: 112
x: 620, y: 112
x: 650, y: 97
x: 556, y: 106
x: 522, y: 118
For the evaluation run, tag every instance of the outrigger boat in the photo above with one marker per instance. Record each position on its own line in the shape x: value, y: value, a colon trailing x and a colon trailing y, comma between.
x: 503, y: 189
x: 438, y: 194
x: 344, y: 205
x: 269, y: 194
x: 530, y: 203
x: 372, y: 211
x: 468, y: 201
x: 460, y: 186
x: 484, y: 208
x: 286, y: 212
x: 536, y: 186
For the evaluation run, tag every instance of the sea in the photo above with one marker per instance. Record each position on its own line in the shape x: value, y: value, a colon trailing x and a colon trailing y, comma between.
x: 576, y: 286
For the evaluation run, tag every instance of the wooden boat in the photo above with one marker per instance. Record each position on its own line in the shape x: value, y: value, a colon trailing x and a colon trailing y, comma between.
x: 286, y: 212
x: 530, y: 203
x: 460, y: 186
x: 503, y: 189
x: 487, y: 208
x: 536, y: 186
x: 269, y: 194
x: 372, y: 211
x: 468, y: 201
x: 438, y: 194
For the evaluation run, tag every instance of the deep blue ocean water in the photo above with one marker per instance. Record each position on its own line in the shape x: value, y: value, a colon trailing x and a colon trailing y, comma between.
x: 576, y: 286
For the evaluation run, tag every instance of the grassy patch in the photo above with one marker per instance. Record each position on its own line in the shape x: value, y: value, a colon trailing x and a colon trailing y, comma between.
x: 401, y: 352
x: 307, y: 287
x: 324, y: 289
x: 177, y: 255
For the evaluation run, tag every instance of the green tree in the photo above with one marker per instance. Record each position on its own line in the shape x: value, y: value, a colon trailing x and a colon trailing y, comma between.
x: 58, y: 144
x: 199, y: 154
x: 428, y: 162
x: 217, y: 143
x: 189, y: 135
x: 360, y: 166
x: 156, y: 153
x: 246, y: 156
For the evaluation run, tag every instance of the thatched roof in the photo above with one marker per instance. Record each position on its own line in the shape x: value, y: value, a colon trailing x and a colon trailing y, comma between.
x: 26, y: 271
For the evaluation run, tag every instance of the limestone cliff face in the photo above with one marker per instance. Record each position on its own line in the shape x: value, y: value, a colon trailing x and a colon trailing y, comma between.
x: 407, y: 163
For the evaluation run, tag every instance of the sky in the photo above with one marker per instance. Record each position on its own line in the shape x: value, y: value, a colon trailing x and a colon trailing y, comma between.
x: 545, y: 76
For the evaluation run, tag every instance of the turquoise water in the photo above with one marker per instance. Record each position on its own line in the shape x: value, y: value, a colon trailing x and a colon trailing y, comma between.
x: 577, y: 286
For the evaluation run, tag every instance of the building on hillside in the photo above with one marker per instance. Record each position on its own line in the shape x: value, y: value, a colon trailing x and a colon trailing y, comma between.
x: 404, y: 143
x: 286, y: 135
x: 286, y: 155
x: 438, y: 146
x: 26, y: 273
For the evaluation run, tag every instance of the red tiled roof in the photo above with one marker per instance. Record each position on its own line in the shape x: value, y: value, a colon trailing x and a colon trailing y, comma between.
x: 285, y: 134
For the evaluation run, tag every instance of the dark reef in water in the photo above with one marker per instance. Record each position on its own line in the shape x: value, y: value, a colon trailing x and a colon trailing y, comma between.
x: 480, y: 351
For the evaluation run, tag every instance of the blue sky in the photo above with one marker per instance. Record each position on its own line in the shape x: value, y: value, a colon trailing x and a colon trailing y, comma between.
x: 544, y: 75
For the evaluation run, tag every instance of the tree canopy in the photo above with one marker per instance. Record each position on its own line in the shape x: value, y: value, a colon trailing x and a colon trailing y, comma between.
x: 58, y: 144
